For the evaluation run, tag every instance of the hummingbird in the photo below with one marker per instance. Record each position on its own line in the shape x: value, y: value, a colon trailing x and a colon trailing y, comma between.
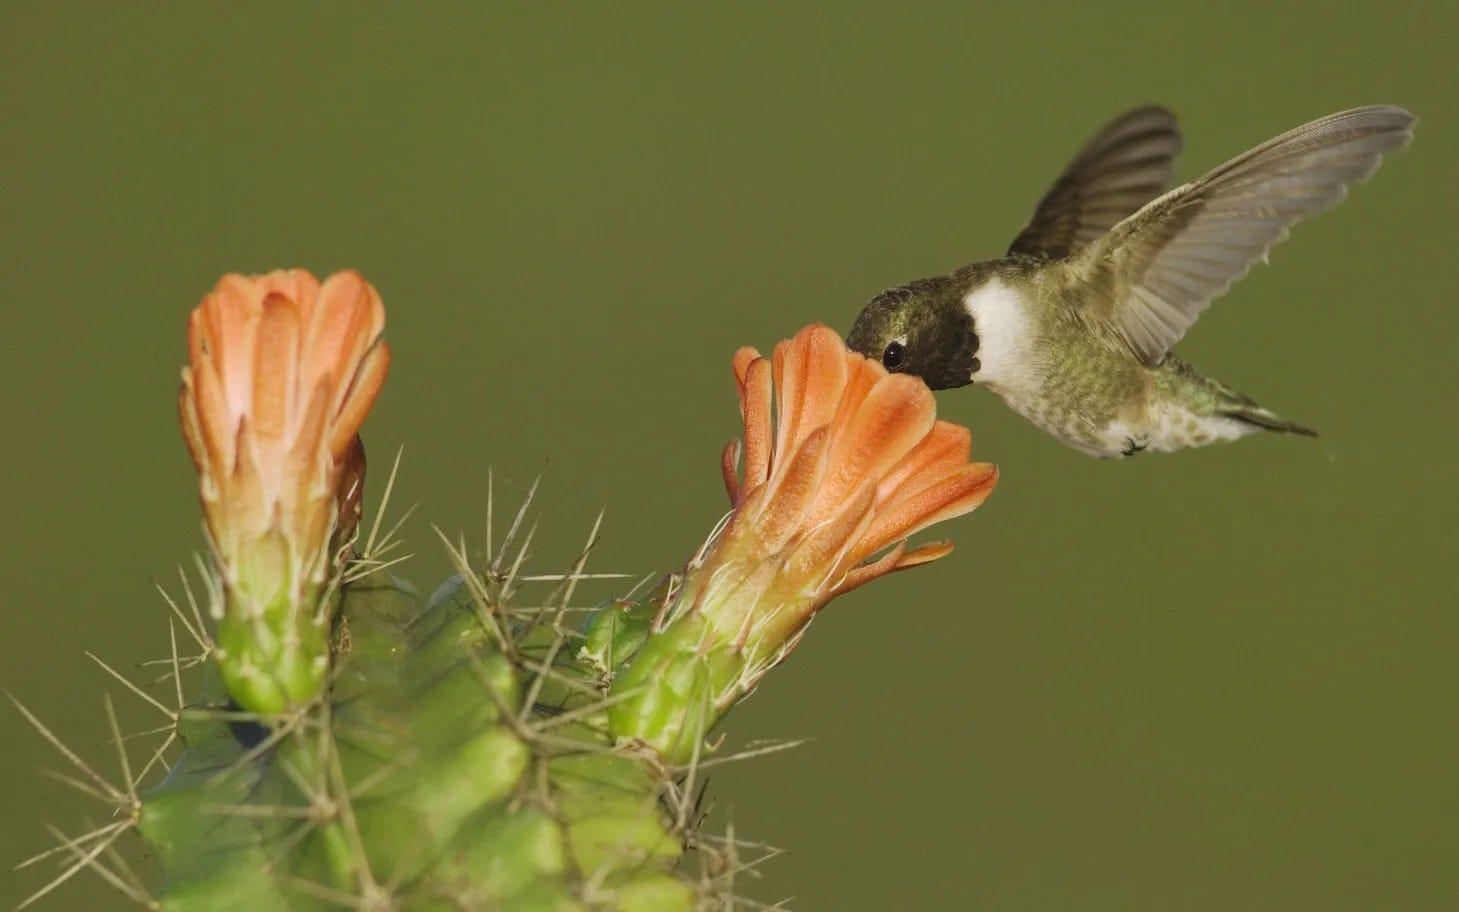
x: 1073, y: 327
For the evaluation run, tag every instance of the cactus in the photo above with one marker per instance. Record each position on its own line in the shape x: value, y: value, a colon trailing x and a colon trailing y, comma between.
x: 353, y: 745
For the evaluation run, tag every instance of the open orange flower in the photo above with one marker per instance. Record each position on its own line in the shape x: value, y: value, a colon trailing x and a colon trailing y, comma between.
x: 854, y: 461
x: 841, y: 461
x: 282, y: 373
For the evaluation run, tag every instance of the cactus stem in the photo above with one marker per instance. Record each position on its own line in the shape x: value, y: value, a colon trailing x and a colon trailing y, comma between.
x: 354, y: 854
x: 324, y: 799
x: 691, y: 771
x: 331, y: 895
x: 289, y: 723
x: 593, y: 891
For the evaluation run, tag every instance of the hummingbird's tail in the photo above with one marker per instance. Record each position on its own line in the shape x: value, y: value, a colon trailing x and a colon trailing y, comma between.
x: 1231, y: 414
x: 1244, y: 410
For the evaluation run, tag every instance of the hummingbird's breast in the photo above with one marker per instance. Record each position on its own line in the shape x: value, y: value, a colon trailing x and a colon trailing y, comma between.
x: 1041, y: 360
x: 1085, y: 399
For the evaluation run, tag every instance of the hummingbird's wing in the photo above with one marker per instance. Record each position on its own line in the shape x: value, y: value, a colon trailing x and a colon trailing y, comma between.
x: 1151, y: 276
x: 1125, y: 166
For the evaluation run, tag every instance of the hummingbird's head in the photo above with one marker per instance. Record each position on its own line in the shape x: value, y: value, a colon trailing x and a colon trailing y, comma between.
x: 920, y: 329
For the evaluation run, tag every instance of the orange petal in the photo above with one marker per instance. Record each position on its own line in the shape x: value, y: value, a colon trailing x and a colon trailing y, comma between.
x: 307, y: 461
x: 862, y: 375
x: 789, y: 492
x: 275, y: 380
x: 945, y: 447
x: 755, y: 411
x: 197, y: 340
x: 728, y: 461
x: 898, y: 558
x: 955, y: 493
x: 741, y: 364
x: 347, y: 320
x: 249, y: 508
x: 192, y: 430
x: 227, y: 317
x: 810, y: 385
x: 827, y: 543
x: 294, y: 284
x: 896, y: 414
x: 860, y: 576
x: 219, y: 430
x: 360, y: 397
x: 925, y: 554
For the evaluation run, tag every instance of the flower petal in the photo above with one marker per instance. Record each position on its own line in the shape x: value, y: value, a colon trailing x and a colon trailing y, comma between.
x: 925, y: 554
x: 899, y: 558
x: 368, y: 379
x: 945, y: 447
x: 755, y: 396
x: 215, y: 418
x: 865, y: 573
x: 812, y: 369
x: 862, y: 374
x: 741, y: 362
x: 896, y: 414
x: 729, y: 459
x: 789, y: 493
x: 274, y: 373
x: 225, y: 335
x: 347, y: 319
x: 955, y: 493
x: 824, y: 546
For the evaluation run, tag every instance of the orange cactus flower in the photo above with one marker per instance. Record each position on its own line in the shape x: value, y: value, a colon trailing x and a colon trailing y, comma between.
x: 841, y: 461
x: 856, y: 461
x: 282, y: 373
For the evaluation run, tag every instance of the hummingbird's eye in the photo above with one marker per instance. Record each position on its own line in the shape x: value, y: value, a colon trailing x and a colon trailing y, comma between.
x: 894, y: 356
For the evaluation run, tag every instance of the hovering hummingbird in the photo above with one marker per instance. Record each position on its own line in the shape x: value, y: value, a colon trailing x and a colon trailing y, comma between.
x: 1073, y: 326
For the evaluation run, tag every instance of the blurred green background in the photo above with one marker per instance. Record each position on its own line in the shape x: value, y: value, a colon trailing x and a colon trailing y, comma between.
x: 1217, y: 680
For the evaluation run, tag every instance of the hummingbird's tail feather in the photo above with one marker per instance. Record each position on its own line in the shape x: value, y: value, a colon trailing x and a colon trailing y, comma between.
x: 1251, y: 413
x: 1219, y: 411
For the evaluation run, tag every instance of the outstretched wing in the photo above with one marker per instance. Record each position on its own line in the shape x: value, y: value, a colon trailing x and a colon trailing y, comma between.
x: 1151, y: 276
x: 1125, y: 166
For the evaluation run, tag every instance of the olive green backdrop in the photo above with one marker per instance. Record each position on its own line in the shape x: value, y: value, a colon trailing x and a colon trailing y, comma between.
x: 1217, y: 680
